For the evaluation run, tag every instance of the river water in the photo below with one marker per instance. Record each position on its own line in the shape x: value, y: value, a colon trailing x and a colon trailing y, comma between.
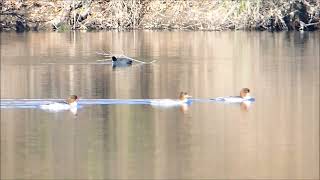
x: 277, y: 137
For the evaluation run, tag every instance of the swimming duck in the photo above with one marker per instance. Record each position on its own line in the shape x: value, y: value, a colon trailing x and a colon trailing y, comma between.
x: 121, y: 61
x: 244, y: 96
x: 183, y: 99
x: 69, y: 104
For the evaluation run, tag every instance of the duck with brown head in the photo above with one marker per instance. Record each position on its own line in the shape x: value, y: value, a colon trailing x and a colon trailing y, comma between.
x: 244, y: 96
x: 69, y: 104
x: 183, y: 99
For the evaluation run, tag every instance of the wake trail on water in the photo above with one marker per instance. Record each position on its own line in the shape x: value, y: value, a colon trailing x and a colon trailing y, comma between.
x: 36, y: 103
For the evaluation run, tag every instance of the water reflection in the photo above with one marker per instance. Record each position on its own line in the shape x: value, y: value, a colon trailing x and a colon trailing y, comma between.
x: 277, y: 137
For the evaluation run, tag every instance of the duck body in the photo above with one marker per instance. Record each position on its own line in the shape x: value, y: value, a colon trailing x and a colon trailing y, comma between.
x: 57, y: 106
x: 169, y: 102
x: 234, y: 99
x: 184, y: 99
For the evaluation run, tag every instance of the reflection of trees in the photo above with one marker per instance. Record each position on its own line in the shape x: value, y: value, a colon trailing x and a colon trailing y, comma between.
x: 134, y: 141
x: 288, y: 92
x: 61, y: 80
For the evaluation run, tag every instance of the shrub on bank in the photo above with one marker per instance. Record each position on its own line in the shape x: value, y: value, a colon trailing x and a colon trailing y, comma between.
x: 160, y: 14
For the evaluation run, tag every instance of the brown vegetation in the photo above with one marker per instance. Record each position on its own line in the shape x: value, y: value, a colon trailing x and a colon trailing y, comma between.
x: 24, y: 15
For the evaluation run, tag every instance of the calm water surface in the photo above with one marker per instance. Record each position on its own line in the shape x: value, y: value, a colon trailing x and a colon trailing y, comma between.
x: 276, y: 138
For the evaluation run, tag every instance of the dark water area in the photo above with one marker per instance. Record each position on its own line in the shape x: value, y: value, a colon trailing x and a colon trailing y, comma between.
x: 277, y: 137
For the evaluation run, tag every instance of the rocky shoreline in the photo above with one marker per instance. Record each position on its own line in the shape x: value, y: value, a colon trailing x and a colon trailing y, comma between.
x: 59, y: 15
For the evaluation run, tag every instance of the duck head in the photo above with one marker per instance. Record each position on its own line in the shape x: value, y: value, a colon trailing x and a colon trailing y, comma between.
x: 183, y: 96
x: 72, y: 100
x: 245, y: 93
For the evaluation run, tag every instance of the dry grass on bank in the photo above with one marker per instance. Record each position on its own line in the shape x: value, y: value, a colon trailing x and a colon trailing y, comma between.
x: 163, y: 14
x: 221, y: 15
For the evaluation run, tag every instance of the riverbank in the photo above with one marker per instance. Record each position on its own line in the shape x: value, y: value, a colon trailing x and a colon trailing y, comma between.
x: 32, y: 15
